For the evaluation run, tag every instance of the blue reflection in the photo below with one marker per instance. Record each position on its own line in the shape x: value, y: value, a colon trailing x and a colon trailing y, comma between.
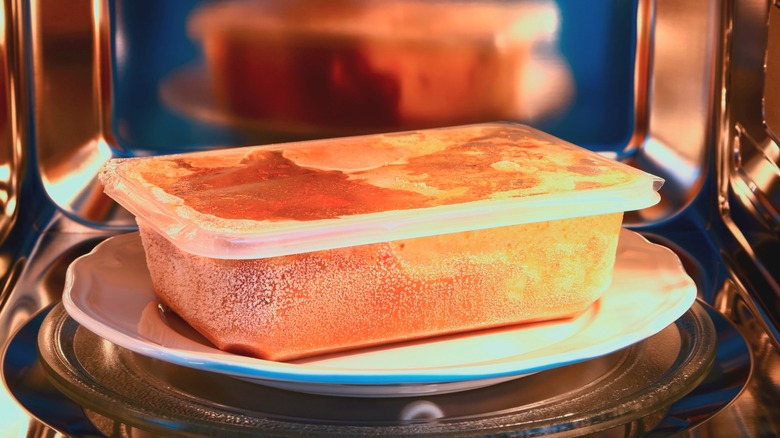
x: 598, y: 38
x: 151, y: 45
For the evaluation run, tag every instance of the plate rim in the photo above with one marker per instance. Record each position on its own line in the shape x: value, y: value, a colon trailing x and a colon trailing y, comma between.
x: 263, y: 370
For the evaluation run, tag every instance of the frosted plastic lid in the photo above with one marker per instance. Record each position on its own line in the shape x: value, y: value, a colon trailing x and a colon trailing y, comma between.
x: 266, y: 201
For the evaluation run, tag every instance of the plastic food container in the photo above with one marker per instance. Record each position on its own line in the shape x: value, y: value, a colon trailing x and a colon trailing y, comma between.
x: 354, y: 65
x: 292, y: 250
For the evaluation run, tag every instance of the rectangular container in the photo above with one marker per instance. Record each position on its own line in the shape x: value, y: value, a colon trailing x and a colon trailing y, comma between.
x: 292, y: 250
x: 372, y: 65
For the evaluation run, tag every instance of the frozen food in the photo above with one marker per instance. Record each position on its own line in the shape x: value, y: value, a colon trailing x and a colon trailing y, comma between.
x: 292, y: 250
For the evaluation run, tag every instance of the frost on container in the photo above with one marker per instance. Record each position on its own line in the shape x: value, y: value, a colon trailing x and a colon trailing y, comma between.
x: 298, y: 249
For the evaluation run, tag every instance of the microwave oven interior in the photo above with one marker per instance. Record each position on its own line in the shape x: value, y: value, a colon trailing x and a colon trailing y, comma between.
x: 687, y: 90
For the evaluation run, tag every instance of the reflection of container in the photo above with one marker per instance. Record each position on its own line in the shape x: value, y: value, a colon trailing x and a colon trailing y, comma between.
x: 369, y: 65
x: 291, y: 250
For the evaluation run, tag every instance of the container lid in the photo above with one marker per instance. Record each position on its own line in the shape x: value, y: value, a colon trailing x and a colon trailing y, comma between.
x: 266, y: 201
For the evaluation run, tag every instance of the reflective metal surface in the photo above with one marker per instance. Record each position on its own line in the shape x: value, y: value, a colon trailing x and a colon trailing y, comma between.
x: 771, y: 84
x: 71, y: 102
x: 692, y: 95
x: 12, y: 123
x: 674, y: 139
x: 35, y: 393
x: 749, y: 162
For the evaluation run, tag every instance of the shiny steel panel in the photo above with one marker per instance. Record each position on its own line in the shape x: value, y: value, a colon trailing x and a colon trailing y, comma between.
x: 707, y: 117
x: 13, y: 138
x: 747, y: 159
x: 71, y: 94
x: 677, y: 137
x: 11, y: 124
x: 772, y: 80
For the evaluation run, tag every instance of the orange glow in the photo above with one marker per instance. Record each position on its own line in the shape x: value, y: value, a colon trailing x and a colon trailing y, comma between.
x: 67, y: 180
x: 2, y: 29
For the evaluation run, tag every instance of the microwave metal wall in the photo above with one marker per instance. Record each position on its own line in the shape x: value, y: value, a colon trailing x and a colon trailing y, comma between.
x: 687, y: 90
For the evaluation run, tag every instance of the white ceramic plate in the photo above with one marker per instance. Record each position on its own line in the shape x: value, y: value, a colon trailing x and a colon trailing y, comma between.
x: 108, y: 291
